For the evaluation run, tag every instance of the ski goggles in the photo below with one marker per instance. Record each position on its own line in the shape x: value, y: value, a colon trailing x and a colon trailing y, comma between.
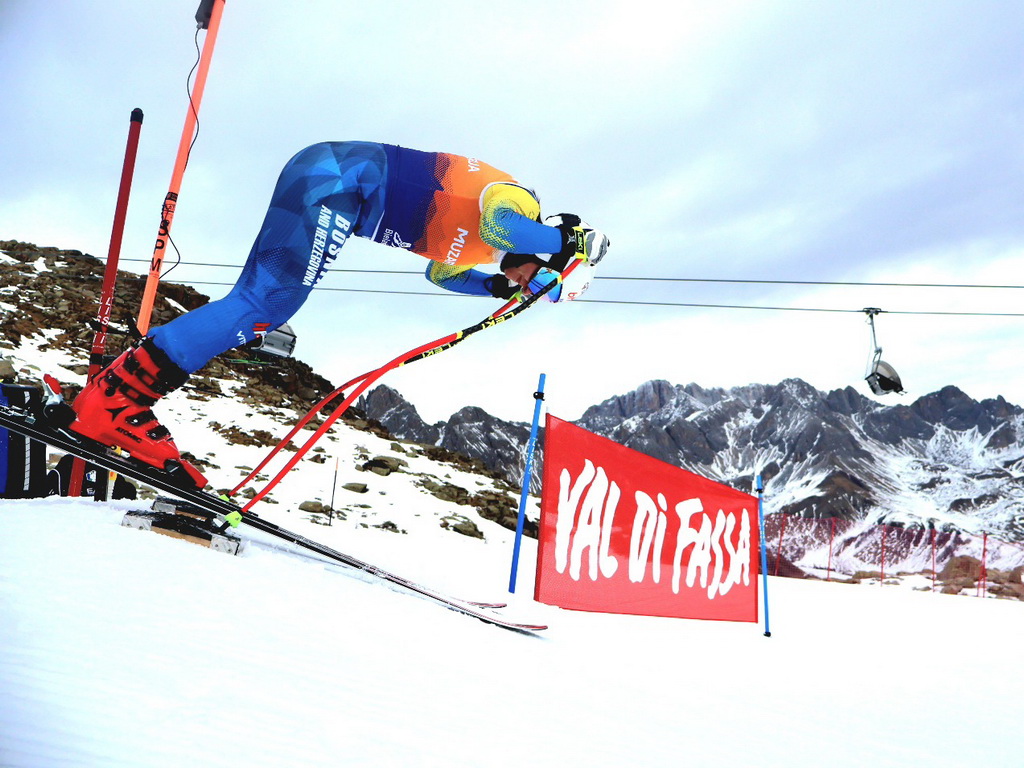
x: 544, y: 277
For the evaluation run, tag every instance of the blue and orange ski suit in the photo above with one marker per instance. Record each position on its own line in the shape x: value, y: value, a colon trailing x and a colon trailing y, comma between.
x: 456, y: 211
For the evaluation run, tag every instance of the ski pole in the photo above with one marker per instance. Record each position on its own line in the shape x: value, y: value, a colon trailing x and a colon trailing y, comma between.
x: 328, y: 422
x: 338, y: 392
x: 208, y: 17
x: 507, y: 312
x: 504, y: 313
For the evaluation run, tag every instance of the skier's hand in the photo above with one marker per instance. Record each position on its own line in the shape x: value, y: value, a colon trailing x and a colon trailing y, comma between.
x: 501, y: 287
x: 579, y: 239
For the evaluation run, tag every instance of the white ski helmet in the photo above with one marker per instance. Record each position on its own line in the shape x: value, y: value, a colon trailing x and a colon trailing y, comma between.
x: 573, y: 267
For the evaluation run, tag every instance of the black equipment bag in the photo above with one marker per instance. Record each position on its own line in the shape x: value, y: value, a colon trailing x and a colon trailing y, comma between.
x: 22, y: 461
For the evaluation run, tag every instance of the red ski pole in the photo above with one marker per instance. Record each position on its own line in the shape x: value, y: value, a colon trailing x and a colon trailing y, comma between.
x: 508, y: 311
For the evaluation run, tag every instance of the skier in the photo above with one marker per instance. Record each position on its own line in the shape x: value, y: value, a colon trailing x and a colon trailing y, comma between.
x: 458, y: 212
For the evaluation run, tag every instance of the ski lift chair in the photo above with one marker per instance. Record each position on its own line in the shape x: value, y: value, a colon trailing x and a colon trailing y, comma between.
x: 882, y: 377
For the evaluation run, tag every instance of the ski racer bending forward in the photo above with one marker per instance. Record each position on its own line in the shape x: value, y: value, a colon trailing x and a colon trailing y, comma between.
x: 456, y: 211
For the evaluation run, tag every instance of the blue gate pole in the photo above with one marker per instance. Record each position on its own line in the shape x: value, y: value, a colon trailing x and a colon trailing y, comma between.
x: 527, y: 472
x: 764, y: 554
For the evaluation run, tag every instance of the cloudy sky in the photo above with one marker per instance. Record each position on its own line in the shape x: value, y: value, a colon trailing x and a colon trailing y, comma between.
x: 721, y: 146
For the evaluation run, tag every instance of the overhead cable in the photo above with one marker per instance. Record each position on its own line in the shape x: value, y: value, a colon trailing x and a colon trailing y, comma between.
x: 667, y: 279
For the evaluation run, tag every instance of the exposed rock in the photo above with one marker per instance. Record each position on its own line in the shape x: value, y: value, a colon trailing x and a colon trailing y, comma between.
x: 961, y: 567
x: 463, y: 525
x: 384, y: 465
x: 444, y: 491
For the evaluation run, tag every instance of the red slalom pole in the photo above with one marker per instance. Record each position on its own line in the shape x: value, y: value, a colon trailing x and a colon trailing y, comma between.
x: 831, y: 539
x: 208, y: 16
x: 882, y: 580
x: 778, y: 553
x: 99, y: 341
x: 983, y: 573
x: 933, y: 560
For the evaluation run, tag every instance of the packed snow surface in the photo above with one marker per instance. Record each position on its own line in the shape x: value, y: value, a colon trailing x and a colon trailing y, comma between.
x: 120, y: 647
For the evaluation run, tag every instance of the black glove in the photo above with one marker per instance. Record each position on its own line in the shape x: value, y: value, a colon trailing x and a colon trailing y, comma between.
x: 578, y: 239
x: 501, y: 287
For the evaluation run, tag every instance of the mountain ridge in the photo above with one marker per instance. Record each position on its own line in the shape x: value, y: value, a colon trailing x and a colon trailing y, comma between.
x: 943, y: 459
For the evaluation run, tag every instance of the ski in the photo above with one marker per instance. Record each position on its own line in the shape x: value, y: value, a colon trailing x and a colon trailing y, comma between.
x: 33, y: 427
x: 168, y: 506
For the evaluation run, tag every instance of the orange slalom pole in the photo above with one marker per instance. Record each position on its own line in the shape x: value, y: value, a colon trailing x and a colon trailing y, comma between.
x: 212, y: 25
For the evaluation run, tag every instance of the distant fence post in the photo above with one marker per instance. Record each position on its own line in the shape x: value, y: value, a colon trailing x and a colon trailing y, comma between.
x: 527, y: 472
x: 764, y: 554
x: 778, y: 552
x: 934, y: 575
x: 831, y: 538
x: 881, y: 580
x: 983, y: 574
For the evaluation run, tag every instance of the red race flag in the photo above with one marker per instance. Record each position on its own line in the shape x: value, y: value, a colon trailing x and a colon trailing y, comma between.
x: 621, y: 532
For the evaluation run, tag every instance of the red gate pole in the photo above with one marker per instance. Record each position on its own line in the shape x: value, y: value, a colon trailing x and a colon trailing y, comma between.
x: 983, y: 575
x: 778, y: 553
x: 831, y: 538
x: 933, y: 560
x: 882, y: 580
x: 215, y: 8
x: 99, y: 341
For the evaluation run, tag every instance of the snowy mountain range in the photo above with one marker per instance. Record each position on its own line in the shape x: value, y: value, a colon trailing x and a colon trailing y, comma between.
x: 944, y: 459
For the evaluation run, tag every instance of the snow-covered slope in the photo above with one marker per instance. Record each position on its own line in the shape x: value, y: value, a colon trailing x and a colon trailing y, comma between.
x: 124, y: 648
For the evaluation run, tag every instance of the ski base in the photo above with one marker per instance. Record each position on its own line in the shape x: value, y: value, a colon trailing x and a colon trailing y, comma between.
x: 184, y: 528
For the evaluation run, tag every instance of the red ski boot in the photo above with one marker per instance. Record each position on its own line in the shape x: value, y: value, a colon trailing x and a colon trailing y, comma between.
x: 114, y: 409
